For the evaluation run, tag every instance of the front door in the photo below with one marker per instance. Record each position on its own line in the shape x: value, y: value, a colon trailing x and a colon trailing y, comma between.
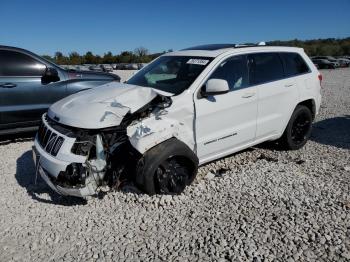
x: 227, y: 122
x: 23, y: 97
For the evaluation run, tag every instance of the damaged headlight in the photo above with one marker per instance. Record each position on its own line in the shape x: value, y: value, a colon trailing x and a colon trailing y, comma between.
x: 90, y: 172
x: 83, y: 144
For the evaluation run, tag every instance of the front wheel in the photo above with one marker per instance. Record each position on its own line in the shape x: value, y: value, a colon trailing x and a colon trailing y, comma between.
x: 166, y: 168
x: 298, y: 129
x: 172, y: 176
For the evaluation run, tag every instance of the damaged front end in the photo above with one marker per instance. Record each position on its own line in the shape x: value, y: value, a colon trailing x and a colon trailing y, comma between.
x: 76, y: 161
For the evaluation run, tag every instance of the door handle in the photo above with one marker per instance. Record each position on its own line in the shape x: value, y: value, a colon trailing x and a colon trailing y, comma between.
x: 247, y: 95
x: 288, y: 85
x: 8, y: 85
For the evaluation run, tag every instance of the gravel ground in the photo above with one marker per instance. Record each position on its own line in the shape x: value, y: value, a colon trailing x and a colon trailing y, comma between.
x: 257, y: 205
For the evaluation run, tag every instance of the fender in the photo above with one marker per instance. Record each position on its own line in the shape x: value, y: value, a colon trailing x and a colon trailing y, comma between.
x: 151, y: 131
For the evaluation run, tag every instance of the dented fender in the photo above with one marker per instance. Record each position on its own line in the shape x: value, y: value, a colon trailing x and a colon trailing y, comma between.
x: 151, y: 131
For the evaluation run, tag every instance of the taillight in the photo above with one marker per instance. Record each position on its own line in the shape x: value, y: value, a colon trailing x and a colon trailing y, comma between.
x: 320, y: 78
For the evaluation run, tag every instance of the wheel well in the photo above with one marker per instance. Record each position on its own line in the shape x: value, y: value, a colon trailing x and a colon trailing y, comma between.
x: 310, y: 103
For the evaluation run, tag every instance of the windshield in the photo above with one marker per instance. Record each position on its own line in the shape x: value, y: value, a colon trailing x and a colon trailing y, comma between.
x: 172, y: 74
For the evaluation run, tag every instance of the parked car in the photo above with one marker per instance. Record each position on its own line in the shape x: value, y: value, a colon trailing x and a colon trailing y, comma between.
x: 124, y: 66
x: 29, y: 84
x: 330, y: 59
x: 106, y: 68
x: 141, y: 65
x: 343, y: 62
x: 120, y: 66
x: 185, y: 109
x: 323, y: 64
x: 116, y: 66
x: 323, y: 57
x: 95, y: 68
x: 335, y: 62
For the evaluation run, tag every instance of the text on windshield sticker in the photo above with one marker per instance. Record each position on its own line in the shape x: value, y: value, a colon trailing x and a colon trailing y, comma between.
x: 197, y: 61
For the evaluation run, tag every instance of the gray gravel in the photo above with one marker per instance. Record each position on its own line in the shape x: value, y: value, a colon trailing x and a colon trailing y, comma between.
x: 260, y: 204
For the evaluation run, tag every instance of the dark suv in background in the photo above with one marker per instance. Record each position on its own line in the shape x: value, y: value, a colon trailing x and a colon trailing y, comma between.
x: 29, y: 84
x: 323, y: 63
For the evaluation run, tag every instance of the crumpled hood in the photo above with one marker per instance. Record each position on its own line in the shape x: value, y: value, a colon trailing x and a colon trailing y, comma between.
x: 101, y: 107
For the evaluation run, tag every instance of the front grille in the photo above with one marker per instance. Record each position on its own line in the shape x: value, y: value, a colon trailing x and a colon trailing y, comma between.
x: 49, y: 141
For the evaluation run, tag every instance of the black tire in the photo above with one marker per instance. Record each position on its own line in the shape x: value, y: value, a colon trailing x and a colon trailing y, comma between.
x: 298, y: 130
x: 166, y: 168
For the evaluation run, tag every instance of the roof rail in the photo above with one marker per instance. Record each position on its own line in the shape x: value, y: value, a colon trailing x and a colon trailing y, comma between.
x: 249, y: 45
x: 212, y: 47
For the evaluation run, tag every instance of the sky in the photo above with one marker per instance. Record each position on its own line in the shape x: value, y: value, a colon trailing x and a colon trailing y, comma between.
x: 45, y: 27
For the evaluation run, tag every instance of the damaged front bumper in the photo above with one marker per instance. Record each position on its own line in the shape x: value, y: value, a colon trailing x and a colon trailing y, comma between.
x: 54, y: 161
x: 88, y: 190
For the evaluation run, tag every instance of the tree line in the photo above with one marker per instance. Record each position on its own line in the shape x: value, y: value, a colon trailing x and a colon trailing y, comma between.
x: 139, y: 55
x: 324, y: 47
x: 329, y: 46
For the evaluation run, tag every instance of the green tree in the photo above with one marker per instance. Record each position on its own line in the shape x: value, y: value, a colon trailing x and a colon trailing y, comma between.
x: 108, y: 58
x: 89, y: 58
x: 126, y: 57
x: 47, y: 57
x: 60, y: 58
x: 75, y: 58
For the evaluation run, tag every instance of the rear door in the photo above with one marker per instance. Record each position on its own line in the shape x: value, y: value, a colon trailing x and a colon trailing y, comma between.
x: 276, y: 93
x: 23, y: 98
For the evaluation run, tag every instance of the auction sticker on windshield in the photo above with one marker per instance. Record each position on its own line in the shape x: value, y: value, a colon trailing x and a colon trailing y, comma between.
x: 197, y: 61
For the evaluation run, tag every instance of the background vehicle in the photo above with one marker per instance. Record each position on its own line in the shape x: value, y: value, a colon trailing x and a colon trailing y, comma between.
x: 126, y: 66
x: 343, y: 62
x: 95, y: 68
x: 29, y: 84
x: 323, y: 64
x: 329, y: 58
x: 106, y: 68
x: 335, y: 62
x: 184, y: 109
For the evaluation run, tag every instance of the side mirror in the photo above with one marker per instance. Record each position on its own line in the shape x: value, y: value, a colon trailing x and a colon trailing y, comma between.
x: 50, y: 75
x: 215, y: 87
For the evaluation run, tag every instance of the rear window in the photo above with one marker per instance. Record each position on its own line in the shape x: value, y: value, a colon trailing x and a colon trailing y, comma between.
x: 294, y: 64
x: 265, y: 67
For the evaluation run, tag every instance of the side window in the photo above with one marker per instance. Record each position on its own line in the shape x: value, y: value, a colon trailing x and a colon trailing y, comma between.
x: 294, y: 64
x: 235, y: 71
x: 13, y: 63
x: 265, y: 67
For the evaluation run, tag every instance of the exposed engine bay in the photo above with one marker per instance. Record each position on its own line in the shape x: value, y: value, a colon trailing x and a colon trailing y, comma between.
x: 110, y: 159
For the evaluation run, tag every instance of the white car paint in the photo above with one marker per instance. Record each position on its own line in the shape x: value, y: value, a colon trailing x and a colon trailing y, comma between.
x: 212, y: 127
x: 105, y: 108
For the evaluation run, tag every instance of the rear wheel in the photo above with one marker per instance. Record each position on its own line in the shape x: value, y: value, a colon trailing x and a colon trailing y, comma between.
x: 298, y: 129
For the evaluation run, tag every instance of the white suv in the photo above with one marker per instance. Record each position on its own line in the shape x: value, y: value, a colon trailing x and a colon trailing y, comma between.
x: 184, y: 109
